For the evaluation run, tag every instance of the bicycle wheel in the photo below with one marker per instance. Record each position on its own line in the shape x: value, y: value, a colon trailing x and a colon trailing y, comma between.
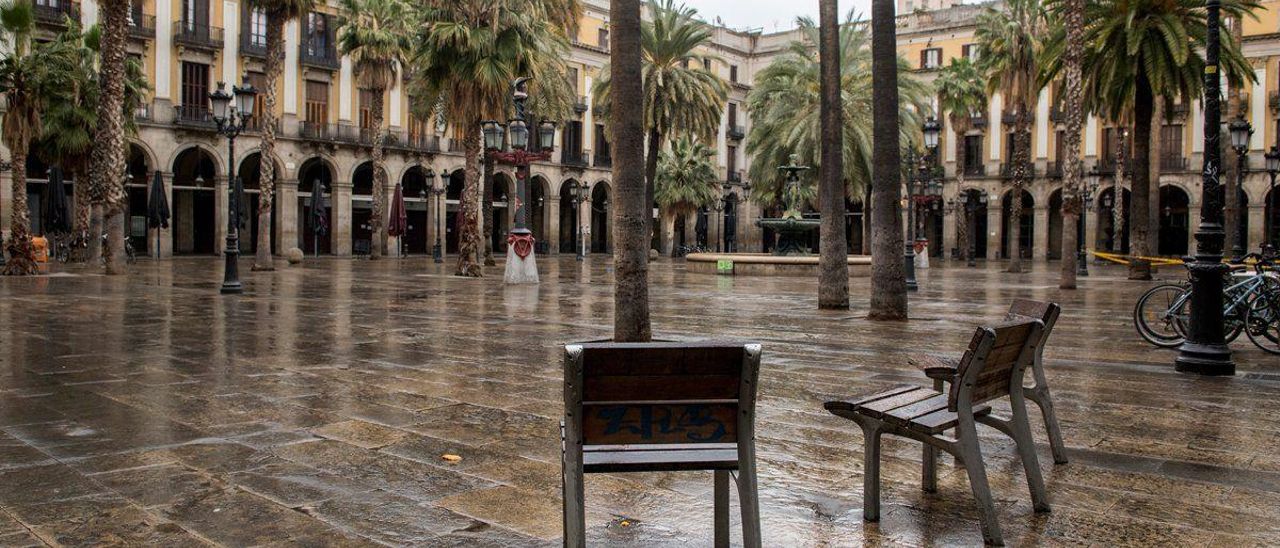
x: 1264, y: 326
x: 1160, y: 315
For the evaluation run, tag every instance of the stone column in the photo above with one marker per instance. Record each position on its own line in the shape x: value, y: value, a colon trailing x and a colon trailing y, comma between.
x: 220, y: 216
x: 584, y: 223
x: 1091, y: 221
x: 551, y: 223
x: 994, y: 230
x: 949, y: 219
x: 392, y: 244
x: 285, y: 209
x: 340, y: 232
x: 1257, y: 226
x: 666, y: 233
x: 1040, y: 233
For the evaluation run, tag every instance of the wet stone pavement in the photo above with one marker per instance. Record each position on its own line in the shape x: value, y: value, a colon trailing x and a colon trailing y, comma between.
x: 316, y: 410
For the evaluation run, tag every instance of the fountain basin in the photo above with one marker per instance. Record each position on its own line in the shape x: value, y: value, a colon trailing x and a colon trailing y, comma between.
x: 792, y: 233
x: 764, y: 264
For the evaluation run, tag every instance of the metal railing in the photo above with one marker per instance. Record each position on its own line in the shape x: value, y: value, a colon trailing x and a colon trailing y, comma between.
x: 193, y: 116
x: 404, y: 140
x: 197, y: 35
x: 978, y: 121
x: 57, y: 13
x: 1053, y: 170
x: 737, y: 133
x: 142, y: 113
x: 604, y: 161
x: 580, y: 104
x: 142, y: 26
x: 975, y: 169
x: 1006, y: 170
x: 1173, y: 162
x: 735, y: 176
x: 314, y: 131
x: 253, y: 46
x: 574, y: 158
x: 319, y: 56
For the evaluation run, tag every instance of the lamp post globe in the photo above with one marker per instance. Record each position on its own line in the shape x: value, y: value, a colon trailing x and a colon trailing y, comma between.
x: 231, y: 119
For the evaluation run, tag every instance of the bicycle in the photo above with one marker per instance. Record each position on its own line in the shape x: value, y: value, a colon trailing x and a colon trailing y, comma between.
x: 130, y: 256
x: 1162, y: 314
x: 68, y: 247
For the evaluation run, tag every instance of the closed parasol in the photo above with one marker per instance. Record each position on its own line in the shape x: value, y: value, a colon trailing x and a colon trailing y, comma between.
x: 399, y: 222
x: 56, y: 216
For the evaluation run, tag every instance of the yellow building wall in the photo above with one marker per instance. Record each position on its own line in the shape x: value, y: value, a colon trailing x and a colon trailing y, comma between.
x: 1267, y: 20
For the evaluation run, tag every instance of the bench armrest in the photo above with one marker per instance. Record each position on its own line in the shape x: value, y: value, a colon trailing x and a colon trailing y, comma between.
x: 941, y: 368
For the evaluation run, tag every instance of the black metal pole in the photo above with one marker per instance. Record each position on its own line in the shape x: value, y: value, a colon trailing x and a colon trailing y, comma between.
x: 437, y: 252
x: 577, y: 221
x: 1237, y: 250
x: 909, y: 253
x: 1082, y: 258
x: 1205, y: 351
x: 231, y: 270
x: 1268, y: 206
x: 971, y: 247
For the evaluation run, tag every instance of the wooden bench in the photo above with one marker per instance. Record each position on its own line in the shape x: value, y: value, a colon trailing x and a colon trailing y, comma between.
x: 650, y: 407
x: 991, y: 368
x: 943, y: 370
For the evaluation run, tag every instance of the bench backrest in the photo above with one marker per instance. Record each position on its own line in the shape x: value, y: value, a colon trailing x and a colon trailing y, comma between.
x: 1046, y: 312
x: 661, y: 393
x: 995, y: 361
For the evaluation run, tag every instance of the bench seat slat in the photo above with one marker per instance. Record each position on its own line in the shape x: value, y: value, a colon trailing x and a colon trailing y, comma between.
x: 654, y: 461
x: 921, y: 408
x: 879, y: 408
x: 839, y: 405
x: 942, y: 420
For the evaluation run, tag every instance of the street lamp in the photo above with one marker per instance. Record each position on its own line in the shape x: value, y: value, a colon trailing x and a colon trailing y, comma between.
x: 521, y: 267
x: 437, y: 190
x: 578, y: 192
x: 1205, y: 351
x: 231, y: 120
x: 1273, y: 168
x: 1240, y: 131
x: 931, y: 131
x: 1086, y: 199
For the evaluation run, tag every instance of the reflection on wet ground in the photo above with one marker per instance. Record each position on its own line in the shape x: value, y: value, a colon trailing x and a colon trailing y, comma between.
x: 318, y: 407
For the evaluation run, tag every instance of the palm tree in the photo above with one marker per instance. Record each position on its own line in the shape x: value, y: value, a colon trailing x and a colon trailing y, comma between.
x: 279, y: 13
x: 464, y: 60
x: 71, y: 115
x: 26, y: 76
x: 374, y: 34
x: 888, y: 276
x: 785, y: 108
x: 961, y: 96
x: 1010, y: 42
x: 1130, y: 61
x: 1069, y: 37
x: 107, y: 161
x: 687, y: 180
x: 681, y: 93
x: 630, y: 217
x: 833, y: 269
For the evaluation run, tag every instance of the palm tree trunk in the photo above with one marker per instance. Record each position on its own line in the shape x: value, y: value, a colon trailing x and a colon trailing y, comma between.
x: 1071, y: 204
x: 833, y: 269
x: 22, y: 256
x: 962, y: 218
x: 267, y: 166
x: 1021, y: 163
x: 93, y: 252
x: 656, y: 140
x: 888, y: 277
x: 378, y: 216
x: 1230, y: 183
x: 80, y: 190
x: 107, y: 158
x: 632, y: 225
x: 467, y: 226
x: 487, y: 204
x: 1120, y: 181
x: 1140, y: 208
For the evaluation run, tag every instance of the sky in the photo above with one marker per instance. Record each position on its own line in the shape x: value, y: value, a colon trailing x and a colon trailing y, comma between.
x: 767, y: 15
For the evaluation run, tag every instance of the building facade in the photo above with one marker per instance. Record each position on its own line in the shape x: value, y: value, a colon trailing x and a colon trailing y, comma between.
x: 188, y: 46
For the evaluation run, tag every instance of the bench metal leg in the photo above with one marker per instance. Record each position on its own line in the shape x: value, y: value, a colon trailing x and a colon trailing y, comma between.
x: 1021, y: 433
x: 929, y: 473
x: 749, y: 499
x: 722, y: 509
x: 1040, y: 395
x: 575, y: 518
x: 871, y: 472
x: 971, y: 455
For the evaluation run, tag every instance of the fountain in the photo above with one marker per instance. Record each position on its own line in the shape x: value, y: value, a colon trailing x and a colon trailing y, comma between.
x: 791, y: 256
x: 792, y: 228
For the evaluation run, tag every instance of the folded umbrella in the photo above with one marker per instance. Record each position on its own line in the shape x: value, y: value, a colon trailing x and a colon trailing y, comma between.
x: 319, y: 217
x: 157, y: 203
x: 56, y: 213
x: 399, y: 223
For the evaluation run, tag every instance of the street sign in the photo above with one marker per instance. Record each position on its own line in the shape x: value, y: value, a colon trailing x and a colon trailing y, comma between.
x: 724, y: 266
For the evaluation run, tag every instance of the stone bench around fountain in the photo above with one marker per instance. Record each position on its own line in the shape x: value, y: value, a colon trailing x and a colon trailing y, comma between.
x: 763, y: 264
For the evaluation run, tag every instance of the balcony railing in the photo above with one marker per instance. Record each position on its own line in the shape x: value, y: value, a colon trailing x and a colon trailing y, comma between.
x: 1057, y: 115
x: 593, y: 47
x: 319, y: 56
x: 253, y: 45
x: 735, y: 176
x: 1006, y: 170
x: 580, y: 104
x: 1053, y: 170
x: 57, y: 13
x: 142, y: 26
x: 314, y: 131
x: 197, y: 35
x: 975, y: 169
x: 978, y: 121
x: 737, y: 133
x: 143, y: 113
x: 197, y: 116
x: 412, y: 142
x: 456, y: 145
x: 1173, y: 162
x: 574, y: 158
x: 255, y: 125
x: 604, y: 161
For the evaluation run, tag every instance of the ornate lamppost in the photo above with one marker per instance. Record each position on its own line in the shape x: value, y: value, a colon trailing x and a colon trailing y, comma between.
x: 231, y: 120
x: 437, y: 191
x: 1205, y: 351
x: 1240, y: 131
x: 521, y: 267
x: 1273, y: 168
x: 1086, y: 201
x: 578, y: 192
x: 931, y: 130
